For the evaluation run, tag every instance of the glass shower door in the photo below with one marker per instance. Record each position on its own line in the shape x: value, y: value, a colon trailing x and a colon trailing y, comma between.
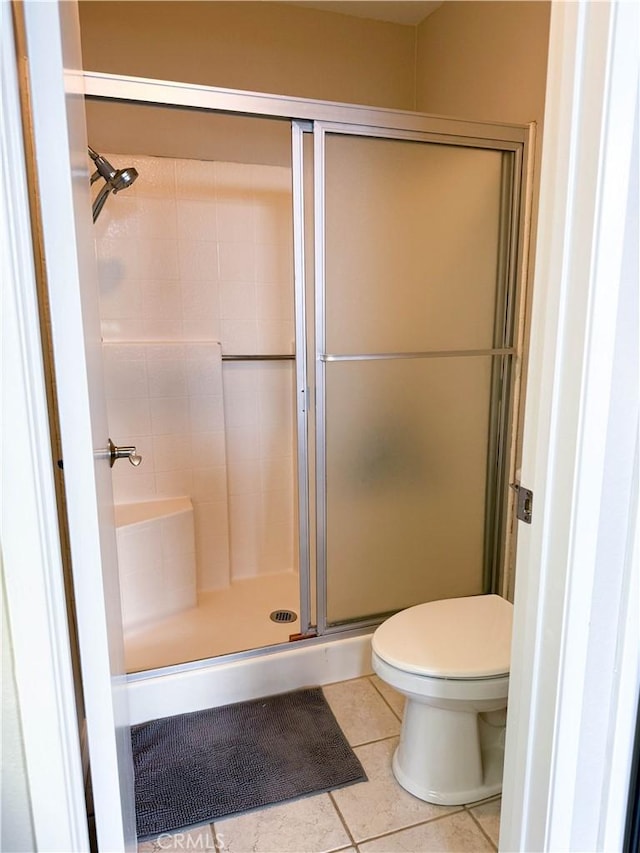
x: 413, y: 349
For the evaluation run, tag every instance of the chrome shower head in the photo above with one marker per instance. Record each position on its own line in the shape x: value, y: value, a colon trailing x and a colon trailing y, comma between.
x: 115, y: 179
x: 123, y: 178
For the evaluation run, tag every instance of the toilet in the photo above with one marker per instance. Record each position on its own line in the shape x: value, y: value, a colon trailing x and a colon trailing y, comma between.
x: 450, y: 659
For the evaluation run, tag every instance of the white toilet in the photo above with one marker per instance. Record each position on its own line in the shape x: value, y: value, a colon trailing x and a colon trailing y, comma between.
x: 450, y: 659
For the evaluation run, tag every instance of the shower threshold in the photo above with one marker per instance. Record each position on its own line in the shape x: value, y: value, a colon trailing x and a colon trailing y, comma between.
x: 240, y: 677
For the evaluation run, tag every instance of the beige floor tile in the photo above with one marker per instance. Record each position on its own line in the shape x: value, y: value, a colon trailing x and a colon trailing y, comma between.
x: 309, y: 825
x: 488, y: 816
x: 391, y: 696
x: 198, y: 838
x: 456, y: 833
x: 381, y: 805
x: 362, y: 713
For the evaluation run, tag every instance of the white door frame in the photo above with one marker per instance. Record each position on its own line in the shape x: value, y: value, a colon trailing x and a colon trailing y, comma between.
x: 55, y: 76
x: 31, y: 559
x: 576, y: 650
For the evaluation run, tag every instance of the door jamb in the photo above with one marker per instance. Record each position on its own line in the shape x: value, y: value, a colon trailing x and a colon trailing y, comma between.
x: 31, y: 558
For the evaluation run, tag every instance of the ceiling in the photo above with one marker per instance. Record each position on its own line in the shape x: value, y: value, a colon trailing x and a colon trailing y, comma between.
x: 398, y: 11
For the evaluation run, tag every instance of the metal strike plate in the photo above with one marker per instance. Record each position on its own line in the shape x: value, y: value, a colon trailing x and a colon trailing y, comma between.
x: 524, y: 503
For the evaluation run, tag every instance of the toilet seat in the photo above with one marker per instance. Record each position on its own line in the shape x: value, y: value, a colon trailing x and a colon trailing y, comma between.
x: 457, y: 638
x: 479, y: 693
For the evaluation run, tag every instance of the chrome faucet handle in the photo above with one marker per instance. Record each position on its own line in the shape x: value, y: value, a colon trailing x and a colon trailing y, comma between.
x: 129, y: 453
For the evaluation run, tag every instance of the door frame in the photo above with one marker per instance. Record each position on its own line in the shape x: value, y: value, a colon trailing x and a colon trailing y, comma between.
x: 53, y: 809
x: 58, y: 144
x: 575, y: 672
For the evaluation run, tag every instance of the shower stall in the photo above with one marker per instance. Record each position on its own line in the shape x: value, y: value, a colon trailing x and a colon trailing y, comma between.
x: 311, y: 337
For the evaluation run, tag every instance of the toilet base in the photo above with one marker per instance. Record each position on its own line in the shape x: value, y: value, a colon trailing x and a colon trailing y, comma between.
x: 492, y: 786
x: 449, y: 757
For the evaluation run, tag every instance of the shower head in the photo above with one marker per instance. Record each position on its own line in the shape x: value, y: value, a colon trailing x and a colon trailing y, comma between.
x: 115, y: 179
x: 123, y: 178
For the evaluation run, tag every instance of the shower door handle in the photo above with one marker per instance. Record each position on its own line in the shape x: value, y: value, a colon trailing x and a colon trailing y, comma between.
x: 129, y: 453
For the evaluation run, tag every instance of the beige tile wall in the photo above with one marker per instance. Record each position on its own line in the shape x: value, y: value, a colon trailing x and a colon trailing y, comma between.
x: 166, y: 399
x: 202, y: 252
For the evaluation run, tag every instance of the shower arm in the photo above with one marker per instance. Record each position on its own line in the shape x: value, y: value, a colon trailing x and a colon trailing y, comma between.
x: 104, y: 169
x: 101, y: 198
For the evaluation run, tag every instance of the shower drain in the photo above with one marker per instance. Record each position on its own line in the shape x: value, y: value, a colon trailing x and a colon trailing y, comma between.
x: 283, y: 616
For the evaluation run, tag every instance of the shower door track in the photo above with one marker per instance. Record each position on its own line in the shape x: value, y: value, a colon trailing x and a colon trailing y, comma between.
x: 314, y: 118
x: 116, y: 87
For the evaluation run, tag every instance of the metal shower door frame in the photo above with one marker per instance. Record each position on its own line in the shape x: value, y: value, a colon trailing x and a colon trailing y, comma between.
x: 503, y: 351
x: 319, y: 117
x: 298, y: 130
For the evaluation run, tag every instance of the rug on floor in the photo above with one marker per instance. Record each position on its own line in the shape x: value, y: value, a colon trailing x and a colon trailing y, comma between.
x: 198, y: 767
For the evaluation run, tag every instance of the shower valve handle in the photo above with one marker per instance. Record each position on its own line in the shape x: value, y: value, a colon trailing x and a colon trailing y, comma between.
x: 129, y: 453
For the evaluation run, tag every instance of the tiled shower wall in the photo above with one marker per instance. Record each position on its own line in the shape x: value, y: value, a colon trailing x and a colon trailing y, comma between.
x: 166, y: 399
x: 202, y: 252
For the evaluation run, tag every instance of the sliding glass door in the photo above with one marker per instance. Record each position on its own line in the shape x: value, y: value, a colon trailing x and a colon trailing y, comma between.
x: 414, y: 339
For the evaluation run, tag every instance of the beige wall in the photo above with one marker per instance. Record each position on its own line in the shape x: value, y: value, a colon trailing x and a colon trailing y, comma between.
x: 484, y: 60
x: 473, y: 59
x: 477, y: 60
x: 488, y: 61
x: 256, y: 46
x: 261, y: 46
x: 165, y: 132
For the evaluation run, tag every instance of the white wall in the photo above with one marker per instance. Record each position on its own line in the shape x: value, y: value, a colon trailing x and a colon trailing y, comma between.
x: 576, y: 648
x: 43, y: 803
x: 16, y: 823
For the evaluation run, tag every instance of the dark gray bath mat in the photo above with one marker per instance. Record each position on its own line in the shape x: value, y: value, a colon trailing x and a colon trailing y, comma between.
x: 195, y: 768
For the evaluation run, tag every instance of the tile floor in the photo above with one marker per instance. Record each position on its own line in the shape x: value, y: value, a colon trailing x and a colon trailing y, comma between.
x: 377, y: 816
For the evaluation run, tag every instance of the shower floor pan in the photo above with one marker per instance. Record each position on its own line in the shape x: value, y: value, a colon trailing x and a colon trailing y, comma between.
x: 225, y: 621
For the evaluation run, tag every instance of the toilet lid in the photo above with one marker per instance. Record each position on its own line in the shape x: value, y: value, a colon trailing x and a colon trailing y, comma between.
x: 453, y: 638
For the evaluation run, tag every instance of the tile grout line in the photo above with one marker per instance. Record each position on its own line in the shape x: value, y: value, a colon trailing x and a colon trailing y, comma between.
x: 476, y: 803
x: 384, y: 699
x: 214, y: 833
x: 377, y: 740
x: 457, y: 810
x: 481, y: 828
x: 342, y: 819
